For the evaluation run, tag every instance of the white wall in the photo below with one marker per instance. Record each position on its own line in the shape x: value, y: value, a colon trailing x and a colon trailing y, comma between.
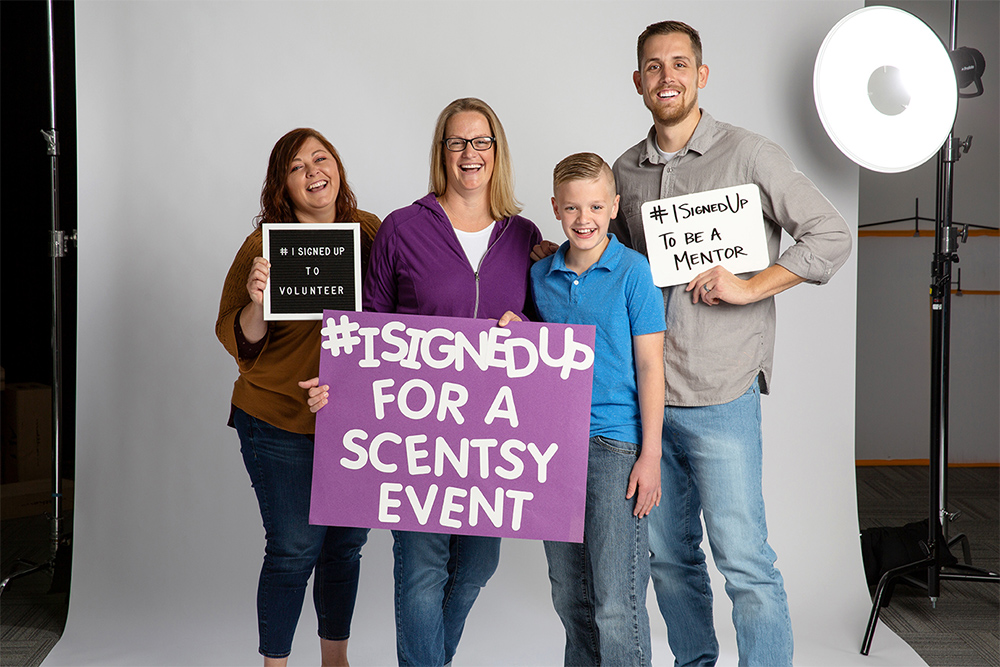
x: 894, y: 276
x: 179, y: 105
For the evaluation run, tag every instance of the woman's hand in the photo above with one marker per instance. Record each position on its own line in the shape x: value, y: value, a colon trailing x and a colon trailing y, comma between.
x: 257, y: 280
x: 317, y: 395
x: 507, y: 318
x: 252, y: 316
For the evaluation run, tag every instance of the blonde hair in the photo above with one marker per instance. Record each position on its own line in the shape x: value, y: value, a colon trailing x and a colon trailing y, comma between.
x: 503, y: 203
x: 582, y: 167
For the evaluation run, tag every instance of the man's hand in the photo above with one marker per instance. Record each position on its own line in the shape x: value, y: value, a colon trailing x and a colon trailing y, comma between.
x: 543, y: 250
x: 717, y: 284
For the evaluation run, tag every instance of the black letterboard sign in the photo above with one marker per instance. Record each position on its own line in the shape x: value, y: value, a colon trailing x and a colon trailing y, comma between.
x: 313, y: 266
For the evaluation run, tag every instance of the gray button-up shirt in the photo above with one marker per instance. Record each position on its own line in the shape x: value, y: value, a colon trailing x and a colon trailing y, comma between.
x: 712, y: 354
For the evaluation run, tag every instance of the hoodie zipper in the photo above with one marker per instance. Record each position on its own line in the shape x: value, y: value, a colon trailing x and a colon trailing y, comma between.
x: 475, y: 311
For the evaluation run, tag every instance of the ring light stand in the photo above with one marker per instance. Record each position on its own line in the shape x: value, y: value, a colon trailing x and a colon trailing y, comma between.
x: 883, y: 124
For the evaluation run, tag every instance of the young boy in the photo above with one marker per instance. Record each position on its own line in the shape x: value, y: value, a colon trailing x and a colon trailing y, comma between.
x: 599, y: 587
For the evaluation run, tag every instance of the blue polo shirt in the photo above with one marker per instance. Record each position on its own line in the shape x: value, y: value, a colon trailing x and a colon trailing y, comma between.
x: 618, y: 296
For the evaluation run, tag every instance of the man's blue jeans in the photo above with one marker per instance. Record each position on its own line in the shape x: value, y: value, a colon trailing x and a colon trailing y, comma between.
x: 599, y: 587
x: 438, y: 578
x: 280, y: 466
x: 712, y: 464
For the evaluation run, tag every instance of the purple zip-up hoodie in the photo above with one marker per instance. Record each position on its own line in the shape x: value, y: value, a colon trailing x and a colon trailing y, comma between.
x: 418, y: 266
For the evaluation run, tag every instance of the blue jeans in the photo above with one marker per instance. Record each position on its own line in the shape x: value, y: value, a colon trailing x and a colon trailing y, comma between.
x: 599, y: 587
x: 280, y: 467
x: 438, y: 577
x: 712, y: 463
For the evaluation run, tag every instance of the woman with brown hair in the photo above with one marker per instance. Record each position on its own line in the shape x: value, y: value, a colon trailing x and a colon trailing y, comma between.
x: 305, y: 183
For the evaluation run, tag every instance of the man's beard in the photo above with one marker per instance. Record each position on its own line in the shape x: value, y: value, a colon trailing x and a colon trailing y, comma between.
x: 673, y: 115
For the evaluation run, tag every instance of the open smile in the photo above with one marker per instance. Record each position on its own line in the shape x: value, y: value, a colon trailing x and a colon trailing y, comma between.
x: 317, y: 186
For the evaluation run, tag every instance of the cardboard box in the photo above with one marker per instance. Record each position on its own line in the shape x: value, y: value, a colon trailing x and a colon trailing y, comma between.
x: 26, y: 432
x: 32, y: 498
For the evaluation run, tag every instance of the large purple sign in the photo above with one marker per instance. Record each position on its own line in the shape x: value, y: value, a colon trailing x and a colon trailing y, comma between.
x: 450, y: 425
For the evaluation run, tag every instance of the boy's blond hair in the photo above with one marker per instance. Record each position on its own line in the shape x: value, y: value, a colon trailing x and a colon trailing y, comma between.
x: 582, y: 167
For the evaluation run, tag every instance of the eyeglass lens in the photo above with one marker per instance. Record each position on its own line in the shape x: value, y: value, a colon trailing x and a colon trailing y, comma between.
x: 456, y: 144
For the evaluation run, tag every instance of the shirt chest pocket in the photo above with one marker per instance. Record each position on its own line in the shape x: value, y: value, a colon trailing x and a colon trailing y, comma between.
x: 632, y: 199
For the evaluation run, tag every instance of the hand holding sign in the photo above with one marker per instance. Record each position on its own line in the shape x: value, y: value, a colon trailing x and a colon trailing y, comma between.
x: 318, y: 394
x: 689, y: 234
x: 717, y: 284
x: 257, y: 280
x: 252, y: 316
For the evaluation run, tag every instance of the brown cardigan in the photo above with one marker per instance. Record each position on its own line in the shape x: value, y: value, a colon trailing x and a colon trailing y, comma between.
x: 267, y: 385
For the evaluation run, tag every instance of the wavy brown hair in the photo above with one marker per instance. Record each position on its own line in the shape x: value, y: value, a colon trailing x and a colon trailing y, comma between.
x: 275, y: 204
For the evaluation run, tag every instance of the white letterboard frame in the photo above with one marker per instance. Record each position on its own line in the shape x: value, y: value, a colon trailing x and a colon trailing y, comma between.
x: 314, y: 266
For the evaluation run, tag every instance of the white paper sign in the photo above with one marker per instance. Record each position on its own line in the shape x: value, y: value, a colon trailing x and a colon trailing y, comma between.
x: 690, y: 234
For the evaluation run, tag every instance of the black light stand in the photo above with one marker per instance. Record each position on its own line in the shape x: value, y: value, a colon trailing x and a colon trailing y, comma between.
x: 945, y: 254
x: 59, y: 541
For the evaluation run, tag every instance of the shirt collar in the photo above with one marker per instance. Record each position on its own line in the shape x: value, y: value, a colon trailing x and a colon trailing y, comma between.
x: 609, y: 258
x: 431, y: 201
x: 700, y: 141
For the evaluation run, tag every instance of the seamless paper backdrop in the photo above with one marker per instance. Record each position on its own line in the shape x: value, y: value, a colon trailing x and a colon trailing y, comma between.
x: 179, y: 105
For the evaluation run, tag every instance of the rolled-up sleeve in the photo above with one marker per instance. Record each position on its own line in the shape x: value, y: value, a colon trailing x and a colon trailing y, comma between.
x: 791, y: 200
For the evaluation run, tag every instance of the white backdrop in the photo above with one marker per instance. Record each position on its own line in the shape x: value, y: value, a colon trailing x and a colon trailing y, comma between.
x: 179, y: 106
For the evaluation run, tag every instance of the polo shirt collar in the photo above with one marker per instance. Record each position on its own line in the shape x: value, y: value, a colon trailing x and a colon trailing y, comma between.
x: 609, y: 258
x: 700, y: 141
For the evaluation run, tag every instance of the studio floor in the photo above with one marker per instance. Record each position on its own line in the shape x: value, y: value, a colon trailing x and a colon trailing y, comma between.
x: 963, y: 629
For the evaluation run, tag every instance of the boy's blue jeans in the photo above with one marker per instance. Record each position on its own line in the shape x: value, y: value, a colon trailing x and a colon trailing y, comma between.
x: 712, y: 463
x: 599, y: 587
x: 280, y: 466
x: 438, y: 578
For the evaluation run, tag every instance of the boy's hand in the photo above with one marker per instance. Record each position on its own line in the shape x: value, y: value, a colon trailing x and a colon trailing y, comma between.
x: 318, y: 394
x: 543, y: 250
x: 644, y: 484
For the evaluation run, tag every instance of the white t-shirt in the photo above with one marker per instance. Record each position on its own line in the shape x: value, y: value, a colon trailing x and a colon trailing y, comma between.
x: 665, y: 155
x: 475, y: 244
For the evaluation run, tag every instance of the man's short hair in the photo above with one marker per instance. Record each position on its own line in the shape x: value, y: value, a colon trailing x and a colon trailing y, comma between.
x: 668, y: 28
x: 582, y: 167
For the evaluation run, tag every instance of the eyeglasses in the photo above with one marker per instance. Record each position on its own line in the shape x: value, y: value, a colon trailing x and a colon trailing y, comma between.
x: 457, y: 145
